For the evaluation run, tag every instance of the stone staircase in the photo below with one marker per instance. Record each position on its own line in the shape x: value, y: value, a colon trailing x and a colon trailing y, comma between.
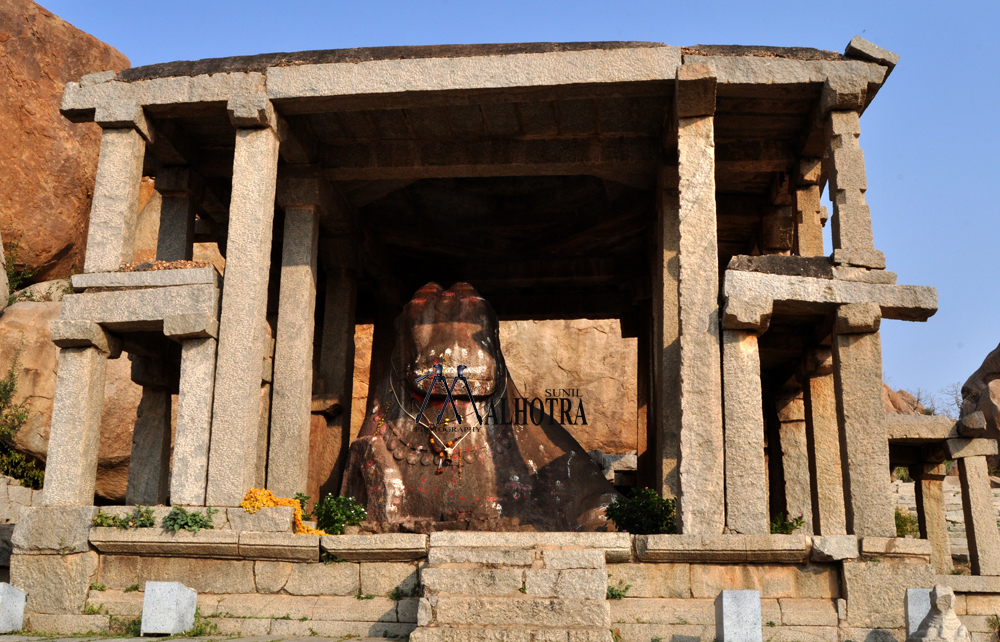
x: 540, y: 594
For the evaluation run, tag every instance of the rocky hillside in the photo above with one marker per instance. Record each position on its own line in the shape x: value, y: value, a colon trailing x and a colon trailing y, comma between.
x: 48, y: 162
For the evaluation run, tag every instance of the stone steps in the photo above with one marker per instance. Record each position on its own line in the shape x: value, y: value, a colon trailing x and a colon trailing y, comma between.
x: 518, y: 594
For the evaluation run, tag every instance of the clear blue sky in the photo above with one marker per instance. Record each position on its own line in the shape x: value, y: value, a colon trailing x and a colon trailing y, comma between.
x: 931, y: 137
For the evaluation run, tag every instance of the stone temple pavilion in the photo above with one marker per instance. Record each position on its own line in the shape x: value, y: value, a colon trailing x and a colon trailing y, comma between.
x: 676, y: 189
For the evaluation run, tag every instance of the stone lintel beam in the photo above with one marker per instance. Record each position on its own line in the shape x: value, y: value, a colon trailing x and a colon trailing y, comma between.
x: 418, y: 159
x: 473, y: 73
x: 81, y: 100
x: 142, y: 309
x: 905, y: 302
x: 178, y: 180
x: 755, y: 70
x: 124, y: 115
x: 918, y: 429
x: 857, y: 318
x: 191, y: 326
x: 695, y: 92
x: 961, y: 448
x: 85, y: 334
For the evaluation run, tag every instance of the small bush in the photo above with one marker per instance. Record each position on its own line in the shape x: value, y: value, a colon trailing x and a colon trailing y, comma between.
x: 98, y: 587
x: 364, y: 596
x: 15, y: 277
x: 906, y: 523
x: 618, y: 592
x: 12, y: 417
x: 902, y: 473
x: 643, y: 513
x: 194, y: 521
x: 132, y: 589
x: 333, y: 513
x: 140, y: 517
x: 781, y: 525
x: 202, y: 627
x: 125, y: 627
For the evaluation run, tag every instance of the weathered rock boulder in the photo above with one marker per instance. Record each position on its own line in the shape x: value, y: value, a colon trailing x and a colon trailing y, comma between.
x: 49, y: 163
x: 901, y: 402
x: 25, y: 327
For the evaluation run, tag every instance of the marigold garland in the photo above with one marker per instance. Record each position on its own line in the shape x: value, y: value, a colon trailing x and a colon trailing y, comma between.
x: 262, y: 498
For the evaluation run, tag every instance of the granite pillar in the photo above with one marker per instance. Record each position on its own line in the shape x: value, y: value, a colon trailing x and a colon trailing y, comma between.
x: 823, y: 433
x: 175, y: 241
x: 701, y: 505
x: 75, y: 436
x: 115, y: 205
x: 746, y: 479
x: 795, y: 457
x: 189, y: 476
x: 931, y: 514
x: 149, y: 463
x: 980, y: 516
x: 864, y: 444
x: 236, y: 412
x: 291, y: 397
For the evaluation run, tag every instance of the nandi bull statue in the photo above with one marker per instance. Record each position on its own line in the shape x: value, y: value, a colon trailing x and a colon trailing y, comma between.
x: 407, y: 468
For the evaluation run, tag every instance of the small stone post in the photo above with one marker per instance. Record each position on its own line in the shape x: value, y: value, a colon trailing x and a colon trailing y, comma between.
x: 795, y: 457
x: 701, y: 504
x: 853, y: 242
x: 931, y: 516
x: 980, y: 518
x: 233, y: 450
x: 823, y: 434
x: 71, y: 467
x: 115, y: 205
x: 177, y: 186
x: 746, y: 477
x: 864, y: 445
x: 809, y: 214
x: 291, y: 401
x: 194, y: 422
x: 149, y: 464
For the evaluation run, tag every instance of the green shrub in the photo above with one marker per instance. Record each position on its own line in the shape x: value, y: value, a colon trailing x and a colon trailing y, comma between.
x: 140, y: 517
x: 643, y: 513
x: 12, y: 417
x: 302, y: 498
x: 15, y: 277
x: 906, y: 523
x: 617, y: 592
x: 194, y: 521
x: 781, y: 525
x: 333, y: 513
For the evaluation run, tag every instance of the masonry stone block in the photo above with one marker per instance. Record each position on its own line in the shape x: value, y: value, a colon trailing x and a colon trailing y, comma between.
x: 12, y: 602
x: 53, y: 529
x: 472, y: 581
x: 140, y: 310
x: 84, y: 334
x: 280, y: 519
x: 585, y: 584
x: 199, y: 325
x: 737, y: 616
x: 167, y: 608
x: 918, y: 605
x: 875, y: 591
x: 834, y: 548
x: 382, y: 578
x: 558, y: 559
x: 54, y: 583
x: 341, y: 578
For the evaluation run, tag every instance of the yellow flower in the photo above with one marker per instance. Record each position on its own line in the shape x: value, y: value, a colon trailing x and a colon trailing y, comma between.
x: 263, y: 498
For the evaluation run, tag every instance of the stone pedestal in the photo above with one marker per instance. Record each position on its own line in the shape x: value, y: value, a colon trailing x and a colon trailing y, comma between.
x: 233, y: 451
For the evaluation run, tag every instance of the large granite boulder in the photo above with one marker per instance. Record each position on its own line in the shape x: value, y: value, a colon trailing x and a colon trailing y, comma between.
x: 48, y: 162
x: 25, y: 327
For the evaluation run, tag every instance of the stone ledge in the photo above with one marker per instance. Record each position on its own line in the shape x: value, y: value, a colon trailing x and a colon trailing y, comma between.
x: 617, y: 546
x: 140, y: 310
x: 288, y: 547
x: 218, y: 544
x: 970, y: 583
x: 895, y: 547
x: 389, y: 547
x: 147, y: 279
x: 53, y: 529
x: 723, y: 548
x: 916, y: 429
